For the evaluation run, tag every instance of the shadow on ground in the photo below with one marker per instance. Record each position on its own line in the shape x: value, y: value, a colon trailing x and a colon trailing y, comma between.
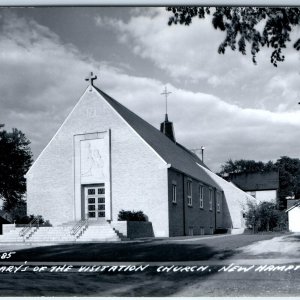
x: 120, y: 252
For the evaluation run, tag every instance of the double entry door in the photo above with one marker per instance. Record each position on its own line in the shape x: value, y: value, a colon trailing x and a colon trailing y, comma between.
x: 95, y: 201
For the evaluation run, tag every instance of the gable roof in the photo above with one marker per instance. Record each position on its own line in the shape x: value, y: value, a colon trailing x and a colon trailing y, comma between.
x: 296, y: 204
x: 174, y: 154
x: 256, y: 181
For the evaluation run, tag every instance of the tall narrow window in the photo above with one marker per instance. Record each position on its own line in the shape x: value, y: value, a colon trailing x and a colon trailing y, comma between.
x: 174, y: 193
x: 219, y: 201
x: 210, y: 199
x: 189, y: 193
x: 201, y: 196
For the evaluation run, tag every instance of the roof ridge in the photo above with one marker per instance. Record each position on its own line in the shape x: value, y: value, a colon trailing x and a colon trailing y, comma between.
x: 153, y: 127
x: 179, y: 158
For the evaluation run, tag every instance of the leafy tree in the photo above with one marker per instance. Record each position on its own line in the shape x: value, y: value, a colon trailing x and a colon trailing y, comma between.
x: 289, y: 178
x: 265, y: 217
x: 241, y: 25
x: 246, y: 166
x: 289, y: 174
x: 15, y: 160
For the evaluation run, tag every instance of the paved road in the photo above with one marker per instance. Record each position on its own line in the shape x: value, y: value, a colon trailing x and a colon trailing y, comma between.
x: 212, y: 253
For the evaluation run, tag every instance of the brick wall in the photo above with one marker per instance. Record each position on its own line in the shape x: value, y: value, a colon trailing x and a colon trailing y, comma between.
x: 184, y: 218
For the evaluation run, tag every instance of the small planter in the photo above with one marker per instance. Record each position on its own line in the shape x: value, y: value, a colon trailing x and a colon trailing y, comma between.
x: 134, y: 229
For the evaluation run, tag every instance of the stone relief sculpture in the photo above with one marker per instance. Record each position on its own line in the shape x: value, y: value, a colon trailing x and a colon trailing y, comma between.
x: 92, y: 162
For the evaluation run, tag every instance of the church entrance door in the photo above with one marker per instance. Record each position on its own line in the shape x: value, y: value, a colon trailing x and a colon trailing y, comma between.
x: 95, y: 201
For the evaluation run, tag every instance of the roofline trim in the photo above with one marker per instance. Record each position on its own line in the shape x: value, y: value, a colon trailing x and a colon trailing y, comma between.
x: 201, y: 182
x: 58, y: 130
x: 292, y: 207
x: 130, y: 126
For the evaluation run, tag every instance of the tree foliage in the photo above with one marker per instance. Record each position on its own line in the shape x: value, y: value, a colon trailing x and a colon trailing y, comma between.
x: 265, y: 217
x: 15, y: 160
x: 241, y: 25
x: 246, y: 166
x: 288, y: 168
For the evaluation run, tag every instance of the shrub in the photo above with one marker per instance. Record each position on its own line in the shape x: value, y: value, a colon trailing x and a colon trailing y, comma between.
x: 27, y: 219
x: 127, y: 215
x: 265, y: 217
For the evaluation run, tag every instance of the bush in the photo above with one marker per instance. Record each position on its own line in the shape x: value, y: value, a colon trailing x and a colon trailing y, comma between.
x: 127, y: 215
x: 265, y: 217
x: 27, y: 219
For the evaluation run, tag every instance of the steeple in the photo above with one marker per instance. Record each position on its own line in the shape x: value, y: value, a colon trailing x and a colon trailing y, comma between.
x: 166, y: 127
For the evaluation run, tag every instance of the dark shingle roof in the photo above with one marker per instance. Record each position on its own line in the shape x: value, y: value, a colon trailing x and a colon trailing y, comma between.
x: 291, y: 204
x: 175, y: 154
x: 256, y: 181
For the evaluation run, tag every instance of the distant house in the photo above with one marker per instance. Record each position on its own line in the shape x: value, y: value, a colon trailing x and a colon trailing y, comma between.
x: 5, y: 218
x: 293, y: 211
x: 262, y: 186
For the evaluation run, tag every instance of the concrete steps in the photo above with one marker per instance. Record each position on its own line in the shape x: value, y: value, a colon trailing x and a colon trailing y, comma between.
x: 12, y: 236
x: 99, y: 232
x: 53, y: 234
x: 95, y: 232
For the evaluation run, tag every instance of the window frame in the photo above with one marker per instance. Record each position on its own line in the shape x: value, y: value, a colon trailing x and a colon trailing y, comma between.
x: 210, y: 197
x: 201, y: 196
x: 174, y: 193
x: 219, y: 197
x: 190, y: 192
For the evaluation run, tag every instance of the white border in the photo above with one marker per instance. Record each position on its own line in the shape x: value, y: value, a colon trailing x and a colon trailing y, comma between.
x: 211, y: 3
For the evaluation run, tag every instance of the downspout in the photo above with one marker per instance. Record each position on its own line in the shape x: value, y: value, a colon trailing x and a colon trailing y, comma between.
x: 183, y: 201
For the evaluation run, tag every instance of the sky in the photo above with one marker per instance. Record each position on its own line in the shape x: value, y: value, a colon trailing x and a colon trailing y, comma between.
x: 235, y: 109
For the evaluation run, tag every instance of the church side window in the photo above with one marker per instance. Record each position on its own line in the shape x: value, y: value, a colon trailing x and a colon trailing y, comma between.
x: 201, y: 196
x: 210, y: 199
x: 174, y: 193
x: 189, y: 193
x: 218, y: 202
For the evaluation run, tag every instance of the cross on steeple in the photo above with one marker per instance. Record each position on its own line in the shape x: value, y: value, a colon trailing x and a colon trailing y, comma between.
x: 166, y: 93
x: 91, y: 78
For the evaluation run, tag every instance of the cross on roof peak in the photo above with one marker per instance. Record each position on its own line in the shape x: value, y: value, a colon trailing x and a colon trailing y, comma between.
x: 91, y: 78
x: 166, y: 93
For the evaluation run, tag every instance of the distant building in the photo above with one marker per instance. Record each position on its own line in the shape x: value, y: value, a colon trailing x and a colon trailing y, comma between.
x: 293, y: 210
x: 262, y: 186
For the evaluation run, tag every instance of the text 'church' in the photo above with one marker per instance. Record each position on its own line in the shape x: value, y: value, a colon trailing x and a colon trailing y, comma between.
x: 104, y: 159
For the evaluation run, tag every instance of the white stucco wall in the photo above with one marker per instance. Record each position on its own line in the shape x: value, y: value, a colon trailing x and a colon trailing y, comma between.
x: 235, y: 199
x: 138, y: 174
x: 294, y: 219
x: 268, y: 196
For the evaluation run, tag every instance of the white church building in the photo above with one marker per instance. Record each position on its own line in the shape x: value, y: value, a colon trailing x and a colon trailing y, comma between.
x: 104, y: 159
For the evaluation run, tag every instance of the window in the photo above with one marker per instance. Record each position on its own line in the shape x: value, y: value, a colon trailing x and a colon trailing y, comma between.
x: 210, y: 199
x: 174, y: 193
x: 189, y: 193
x: 219, y: 202
x: 201, y: 230
x: 201, y: 196
x: 191, y: 231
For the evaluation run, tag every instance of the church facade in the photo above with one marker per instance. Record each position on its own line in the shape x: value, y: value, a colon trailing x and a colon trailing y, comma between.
x: 104, y: 159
